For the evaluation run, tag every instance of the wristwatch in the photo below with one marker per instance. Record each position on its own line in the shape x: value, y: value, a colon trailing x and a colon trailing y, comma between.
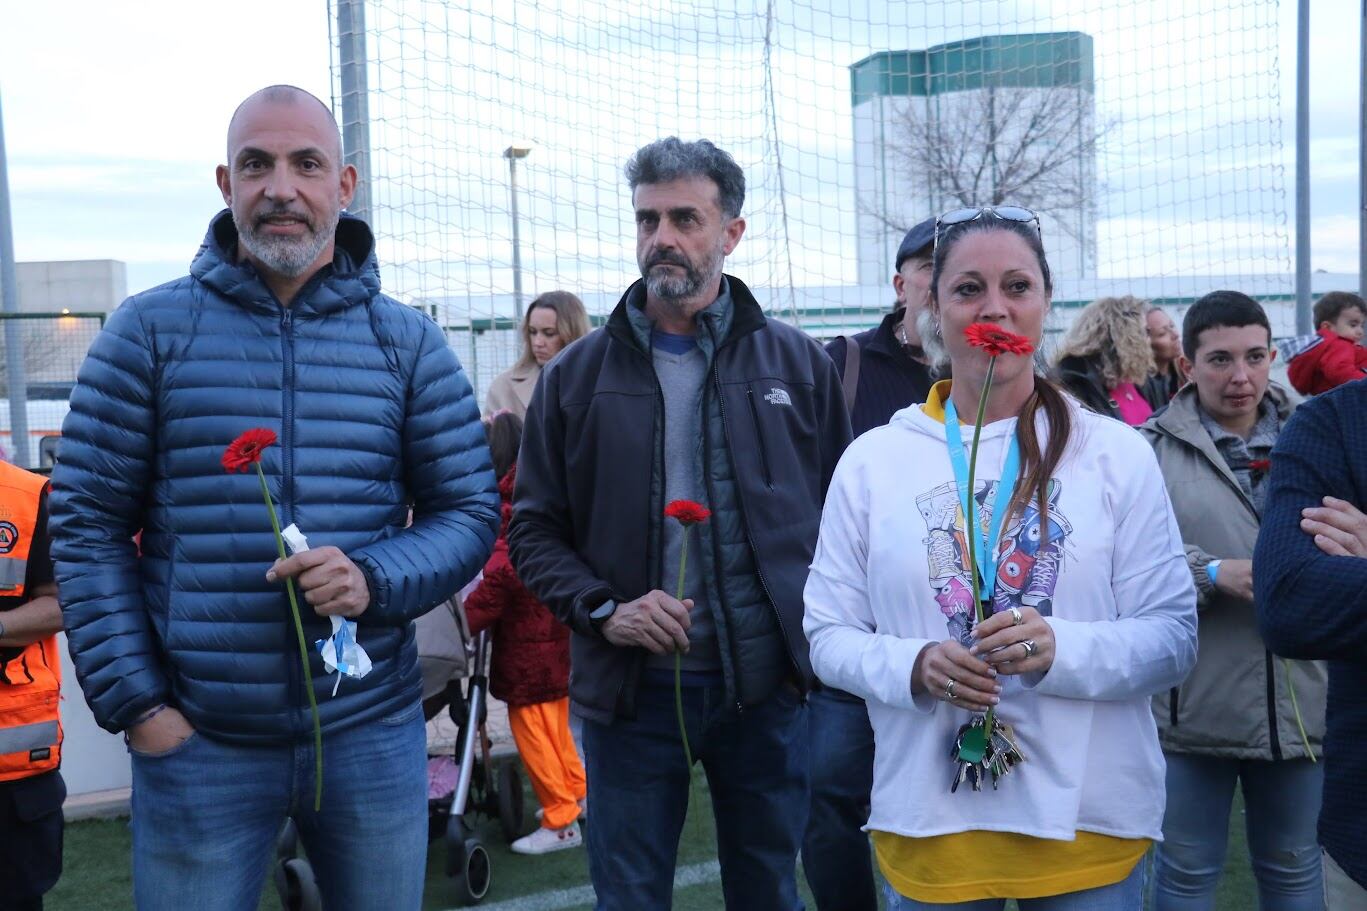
x: 600, y: 614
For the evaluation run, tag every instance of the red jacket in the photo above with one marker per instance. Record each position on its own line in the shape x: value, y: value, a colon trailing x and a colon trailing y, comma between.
x: 531, y: 656
x: 1329, y: 363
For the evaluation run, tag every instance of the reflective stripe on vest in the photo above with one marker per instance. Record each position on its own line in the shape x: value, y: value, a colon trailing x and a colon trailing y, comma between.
x: 30, y: 677
x: 12, y: 573
x: 28, y: 737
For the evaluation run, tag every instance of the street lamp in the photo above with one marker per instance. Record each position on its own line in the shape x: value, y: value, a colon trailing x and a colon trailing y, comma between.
x: 513, y: 153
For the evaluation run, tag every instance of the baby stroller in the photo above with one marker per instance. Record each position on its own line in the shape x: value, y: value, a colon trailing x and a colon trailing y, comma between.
x: 473, y: 787
x: 454, y: 670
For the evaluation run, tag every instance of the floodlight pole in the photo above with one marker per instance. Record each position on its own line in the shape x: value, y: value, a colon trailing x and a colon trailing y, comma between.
x: 351, y: 59
x: 1362, y: 154
x: 15, y: 380
x: 513, y: 153
x: 1303, y: 322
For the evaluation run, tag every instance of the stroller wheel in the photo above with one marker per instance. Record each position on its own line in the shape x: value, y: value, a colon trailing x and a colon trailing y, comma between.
x: 298, y: 887
x: 510, y: 801
x: 472, y: 883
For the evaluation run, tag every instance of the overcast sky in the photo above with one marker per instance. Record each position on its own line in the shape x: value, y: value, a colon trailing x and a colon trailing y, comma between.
x: 115, y: 115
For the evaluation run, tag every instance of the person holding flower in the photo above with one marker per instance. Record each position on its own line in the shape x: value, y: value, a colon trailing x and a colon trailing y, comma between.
x: 346, y: 406
x: 1006, y: 610
x: 1244, y: 716
x: 689, y: 393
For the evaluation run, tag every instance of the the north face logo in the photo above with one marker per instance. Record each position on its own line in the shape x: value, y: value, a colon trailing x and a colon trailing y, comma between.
x: 778, y: 396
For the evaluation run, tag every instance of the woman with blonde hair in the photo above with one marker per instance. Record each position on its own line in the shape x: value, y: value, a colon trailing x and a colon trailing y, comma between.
x: 1105, y: 356
x: 554, y: 320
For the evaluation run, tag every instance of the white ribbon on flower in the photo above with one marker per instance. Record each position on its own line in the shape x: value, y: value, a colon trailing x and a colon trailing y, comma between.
x: 341, y: 652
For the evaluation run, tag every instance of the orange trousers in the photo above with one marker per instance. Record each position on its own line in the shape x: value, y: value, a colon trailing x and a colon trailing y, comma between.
x: 542, y: 734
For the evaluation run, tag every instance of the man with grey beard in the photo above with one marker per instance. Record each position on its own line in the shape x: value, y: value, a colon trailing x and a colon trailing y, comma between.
x: 189, y: 648
x: 689, y: 393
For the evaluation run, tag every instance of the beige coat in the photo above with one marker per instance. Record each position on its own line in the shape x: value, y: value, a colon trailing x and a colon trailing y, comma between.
x: 1236, y: 703
x: 512, y: 390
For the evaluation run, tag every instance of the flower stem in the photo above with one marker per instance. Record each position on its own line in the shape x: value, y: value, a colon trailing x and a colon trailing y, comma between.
x: 678, y: 660
x: 970, y: 521
x: 303, y: 650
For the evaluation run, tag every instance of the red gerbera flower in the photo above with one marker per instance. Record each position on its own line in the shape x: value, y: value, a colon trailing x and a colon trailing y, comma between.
x: 687, y: 512
x: 997, y: 341
x: 246, y: 449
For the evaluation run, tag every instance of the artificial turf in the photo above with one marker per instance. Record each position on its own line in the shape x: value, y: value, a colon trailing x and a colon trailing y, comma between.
x: 97, y: 875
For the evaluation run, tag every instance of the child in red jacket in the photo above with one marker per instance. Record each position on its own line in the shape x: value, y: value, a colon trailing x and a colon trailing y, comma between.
x: 1334, y: 356
x: 530, y: 669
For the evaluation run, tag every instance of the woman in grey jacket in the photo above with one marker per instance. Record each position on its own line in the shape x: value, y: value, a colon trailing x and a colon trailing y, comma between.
x: 1244, y: 714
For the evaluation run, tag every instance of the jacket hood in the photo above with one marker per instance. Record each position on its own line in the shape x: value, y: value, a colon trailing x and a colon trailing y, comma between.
x: 1295, y: 347
x: 352, y: 278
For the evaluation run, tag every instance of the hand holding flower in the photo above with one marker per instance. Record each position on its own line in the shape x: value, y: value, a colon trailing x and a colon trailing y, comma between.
x: 974, y: 685
x: 332, y: 584
x: 655, y: 622
x: 243, y: 453
x: 1001, y: 642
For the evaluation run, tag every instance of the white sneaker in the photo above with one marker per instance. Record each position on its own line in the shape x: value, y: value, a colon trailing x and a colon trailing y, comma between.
x: 544, y: 841
x: 583, y: 810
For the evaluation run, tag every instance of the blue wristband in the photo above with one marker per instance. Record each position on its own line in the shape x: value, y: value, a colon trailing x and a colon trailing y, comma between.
x: 1212, y: 570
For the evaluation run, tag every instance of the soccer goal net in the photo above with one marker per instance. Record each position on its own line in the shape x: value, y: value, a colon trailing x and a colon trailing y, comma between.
x: 1146, y: 133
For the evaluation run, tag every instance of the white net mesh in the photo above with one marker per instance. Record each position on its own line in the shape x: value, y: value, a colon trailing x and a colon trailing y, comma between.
x: 1146, y: 132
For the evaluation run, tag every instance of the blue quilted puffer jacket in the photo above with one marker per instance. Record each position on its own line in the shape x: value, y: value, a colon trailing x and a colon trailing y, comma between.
x: 372, y: 412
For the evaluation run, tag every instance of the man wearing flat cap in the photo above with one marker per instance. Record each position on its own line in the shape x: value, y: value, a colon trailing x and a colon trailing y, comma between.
x: 883, y: 370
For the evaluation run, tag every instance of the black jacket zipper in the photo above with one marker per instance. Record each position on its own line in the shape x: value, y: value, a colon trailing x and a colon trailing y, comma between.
x: 749, y: 539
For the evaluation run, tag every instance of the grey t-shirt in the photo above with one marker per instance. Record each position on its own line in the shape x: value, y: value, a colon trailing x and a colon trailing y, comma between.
x: 681, y: 368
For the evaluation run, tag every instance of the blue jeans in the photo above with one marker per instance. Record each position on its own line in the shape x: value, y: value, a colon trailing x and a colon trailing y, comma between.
x: 206, y: 815
x: 756, y: 766
x: 835, y: 850
x: 1126, y: 895
x: 1281, y: 806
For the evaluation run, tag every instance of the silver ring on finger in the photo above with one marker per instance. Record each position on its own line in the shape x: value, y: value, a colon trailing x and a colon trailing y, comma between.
x: 949, y: 689
x: 1030, y: 647
x: 1016, y: 618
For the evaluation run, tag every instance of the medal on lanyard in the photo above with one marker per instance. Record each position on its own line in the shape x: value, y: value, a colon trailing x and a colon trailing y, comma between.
x: 990, y: 541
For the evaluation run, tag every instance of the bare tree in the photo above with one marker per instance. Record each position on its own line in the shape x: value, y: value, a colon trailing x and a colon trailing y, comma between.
x: 1032, y: 147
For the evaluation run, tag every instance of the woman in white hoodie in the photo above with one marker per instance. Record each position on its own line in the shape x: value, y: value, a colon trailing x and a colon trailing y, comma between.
x: 1092, y: 611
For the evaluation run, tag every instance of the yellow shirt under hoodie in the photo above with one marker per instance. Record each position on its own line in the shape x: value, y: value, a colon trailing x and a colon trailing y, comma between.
x: 1087, y: 803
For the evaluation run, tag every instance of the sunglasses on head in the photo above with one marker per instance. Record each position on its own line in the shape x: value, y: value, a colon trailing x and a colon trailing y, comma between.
x: 973, y: 213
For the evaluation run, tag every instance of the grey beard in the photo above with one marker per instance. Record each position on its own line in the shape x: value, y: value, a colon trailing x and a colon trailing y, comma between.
x: 287, y: 256
x: 668, y: 287
x: 674, y: 288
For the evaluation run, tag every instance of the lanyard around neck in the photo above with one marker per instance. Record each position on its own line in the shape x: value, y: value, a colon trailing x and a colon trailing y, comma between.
x: 987, y: 544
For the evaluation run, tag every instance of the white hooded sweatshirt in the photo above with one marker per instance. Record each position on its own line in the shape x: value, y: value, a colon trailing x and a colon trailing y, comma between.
x: 888, y: 580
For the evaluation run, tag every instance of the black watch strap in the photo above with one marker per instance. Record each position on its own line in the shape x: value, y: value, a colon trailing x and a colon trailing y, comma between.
x: 600, y: 614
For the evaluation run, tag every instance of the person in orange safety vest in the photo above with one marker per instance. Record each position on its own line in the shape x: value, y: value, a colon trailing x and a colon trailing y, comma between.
x: 31, y: 787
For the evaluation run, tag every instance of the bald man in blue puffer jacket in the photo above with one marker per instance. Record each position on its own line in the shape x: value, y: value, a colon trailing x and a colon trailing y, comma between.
x: 189, y: 647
